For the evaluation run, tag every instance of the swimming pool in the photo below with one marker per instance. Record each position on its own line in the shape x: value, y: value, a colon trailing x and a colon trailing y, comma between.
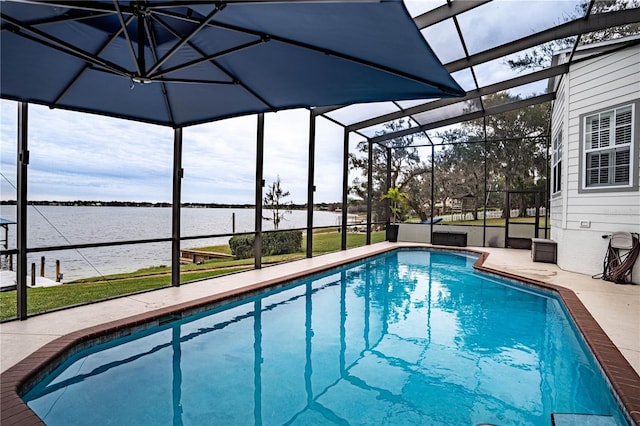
x: 408, y: 337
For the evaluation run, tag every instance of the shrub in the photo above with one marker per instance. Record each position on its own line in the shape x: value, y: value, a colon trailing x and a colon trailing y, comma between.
x: 242, y: 246
x: 273, y: 243
x: 283, y: 242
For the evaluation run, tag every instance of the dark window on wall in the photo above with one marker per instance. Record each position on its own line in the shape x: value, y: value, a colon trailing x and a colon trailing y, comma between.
x: 557, y: 163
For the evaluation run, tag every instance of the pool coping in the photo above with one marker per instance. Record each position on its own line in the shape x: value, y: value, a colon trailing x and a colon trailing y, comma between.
x: 623, y: 379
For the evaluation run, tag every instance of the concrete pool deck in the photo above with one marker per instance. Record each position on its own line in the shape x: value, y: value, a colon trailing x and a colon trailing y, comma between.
x: 615, y: 308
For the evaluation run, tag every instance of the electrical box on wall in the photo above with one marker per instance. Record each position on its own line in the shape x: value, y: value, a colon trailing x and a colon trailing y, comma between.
x: 585, y: 224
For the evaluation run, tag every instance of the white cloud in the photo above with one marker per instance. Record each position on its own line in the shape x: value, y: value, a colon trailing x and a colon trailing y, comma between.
x: 83, y: 156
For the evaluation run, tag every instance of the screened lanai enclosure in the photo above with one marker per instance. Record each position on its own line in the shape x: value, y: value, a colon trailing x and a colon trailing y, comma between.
x: 451, y: 104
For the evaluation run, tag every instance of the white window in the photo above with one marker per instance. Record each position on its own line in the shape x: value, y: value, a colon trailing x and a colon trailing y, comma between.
x: 556, y: 163
x: 608, y: 141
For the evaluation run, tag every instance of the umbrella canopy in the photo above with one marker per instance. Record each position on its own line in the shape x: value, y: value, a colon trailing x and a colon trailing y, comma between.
x: 189, y: 62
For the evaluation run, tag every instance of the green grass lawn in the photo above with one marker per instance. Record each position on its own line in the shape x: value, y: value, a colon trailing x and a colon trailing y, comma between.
x: 43, y: 299
x: 100, y: 288
x: 323, y: 242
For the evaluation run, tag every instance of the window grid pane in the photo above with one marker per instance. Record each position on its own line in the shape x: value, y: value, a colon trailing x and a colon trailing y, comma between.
x: 623, y: 160
x: 593, y: 124
x: 557, y: 177
x: 557, y: 163
x: 623, y: 126
x: 598, y: 170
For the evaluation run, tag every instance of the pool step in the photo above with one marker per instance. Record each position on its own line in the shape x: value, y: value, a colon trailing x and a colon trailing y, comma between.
x: 575, y: 419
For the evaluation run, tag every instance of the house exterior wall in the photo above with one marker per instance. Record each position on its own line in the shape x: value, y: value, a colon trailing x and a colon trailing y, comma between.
x: 559, y: 120
x: 580, y: 218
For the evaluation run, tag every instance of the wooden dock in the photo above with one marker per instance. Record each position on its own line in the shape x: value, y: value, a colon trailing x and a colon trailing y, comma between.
x: 199, y: 256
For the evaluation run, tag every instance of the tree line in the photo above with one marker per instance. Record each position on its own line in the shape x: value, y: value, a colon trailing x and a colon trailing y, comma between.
x: 93, y: 203
x: 514, y: 157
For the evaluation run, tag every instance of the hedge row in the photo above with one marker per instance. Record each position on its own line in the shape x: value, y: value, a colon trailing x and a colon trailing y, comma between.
x: 273, y: 243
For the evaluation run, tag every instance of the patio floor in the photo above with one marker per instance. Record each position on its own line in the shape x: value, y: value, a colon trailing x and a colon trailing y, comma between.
x: 615, y: 307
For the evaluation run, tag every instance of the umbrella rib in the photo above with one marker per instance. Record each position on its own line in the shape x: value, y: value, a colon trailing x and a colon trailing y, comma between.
x: 62, y: 19
x: 175, y: 80
x: 87, y: 66
x: 300, y: 44
x: 90, y: 6
x: 148, y: 29
x: 193, y: 81
x: 126, y: 36
x: 186, y: 39
x: 57, y: 44
x: 234, y: 80
x: 344, y: 56
x: 206, y: 58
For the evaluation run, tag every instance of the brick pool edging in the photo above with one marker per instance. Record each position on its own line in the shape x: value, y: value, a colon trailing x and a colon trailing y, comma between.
x: 624, y: 380
x: 14, y: 411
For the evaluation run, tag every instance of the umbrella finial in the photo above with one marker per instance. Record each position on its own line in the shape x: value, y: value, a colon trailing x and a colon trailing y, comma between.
x: 141, y: 9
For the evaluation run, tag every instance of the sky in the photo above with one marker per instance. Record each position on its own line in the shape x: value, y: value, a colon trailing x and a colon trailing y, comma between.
x: 77, y: 156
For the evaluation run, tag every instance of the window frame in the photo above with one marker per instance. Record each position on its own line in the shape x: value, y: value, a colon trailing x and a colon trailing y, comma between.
x: 611, y: 149
x: 557, y: 146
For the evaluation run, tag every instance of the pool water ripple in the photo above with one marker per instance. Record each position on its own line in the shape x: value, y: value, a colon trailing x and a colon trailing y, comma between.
x: 408, y: 337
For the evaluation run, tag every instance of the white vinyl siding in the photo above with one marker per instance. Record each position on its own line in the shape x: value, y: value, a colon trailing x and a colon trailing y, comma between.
x: 608, y: 138
x: 597, y: 88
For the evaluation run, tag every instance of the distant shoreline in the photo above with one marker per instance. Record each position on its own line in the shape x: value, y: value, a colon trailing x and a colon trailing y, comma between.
x: 90, y: 203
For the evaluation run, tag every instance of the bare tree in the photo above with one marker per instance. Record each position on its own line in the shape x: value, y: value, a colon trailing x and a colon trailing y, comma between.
x: 273, y: 200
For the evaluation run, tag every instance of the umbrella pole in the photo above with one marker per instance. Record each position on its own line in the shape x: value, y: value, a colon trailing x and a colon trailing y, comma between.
x: 369, y: 188
x: 310, y: 182
x: 257, y: 247
x: 23, y: 163
x: 178, y: 172
x: 345, y: 188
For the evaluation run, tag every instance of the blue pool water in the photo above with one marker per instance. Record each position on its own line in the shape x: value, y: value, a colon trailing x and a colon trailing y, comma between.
x: 409, y: 337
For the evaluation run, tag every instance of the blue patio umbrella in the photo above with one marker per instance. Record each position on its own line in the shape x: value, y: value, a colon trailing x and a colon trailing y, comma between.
x: 180, y: 63
x: 189, y: 62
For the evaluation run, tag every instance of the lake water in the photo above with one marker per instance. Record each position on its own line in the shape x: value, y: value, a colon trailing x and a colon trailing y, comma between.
x: 58, y: 225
